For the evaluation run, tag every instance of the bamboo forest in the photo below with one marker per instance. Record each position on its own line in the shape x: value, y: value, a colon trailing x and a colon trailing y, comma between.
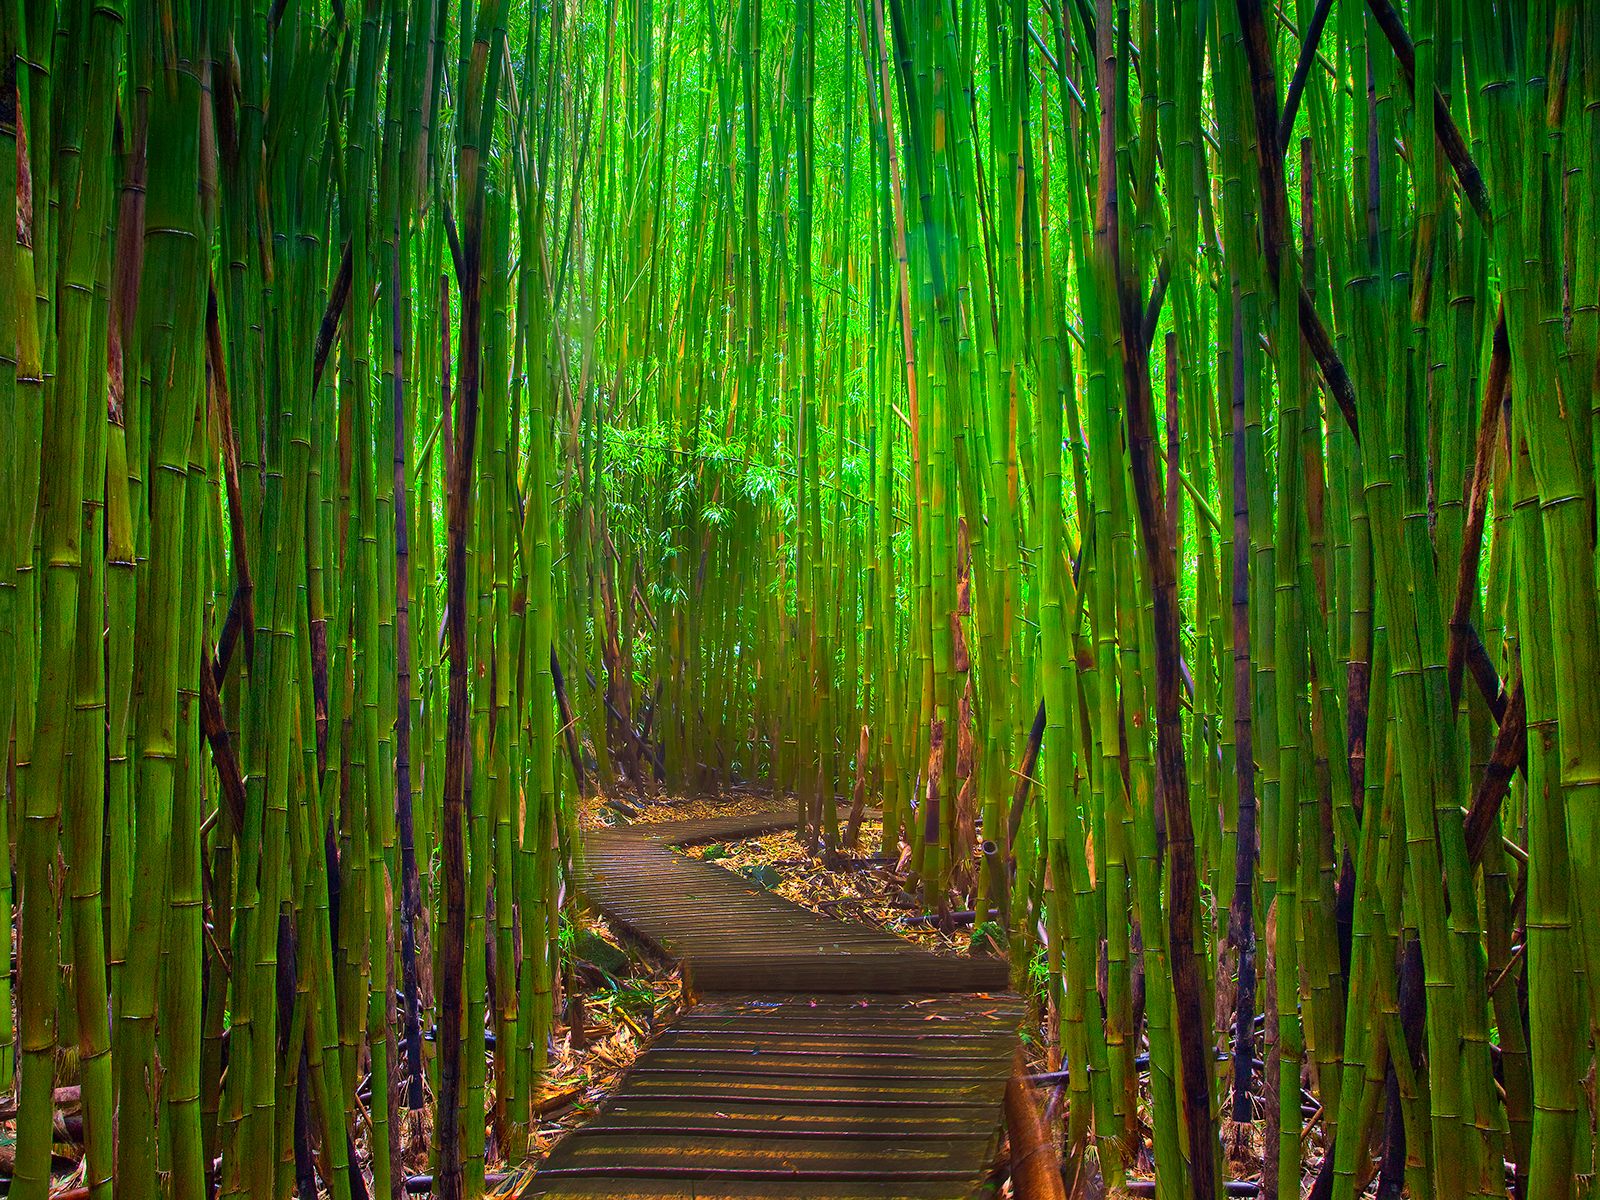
x: 1109, y: 484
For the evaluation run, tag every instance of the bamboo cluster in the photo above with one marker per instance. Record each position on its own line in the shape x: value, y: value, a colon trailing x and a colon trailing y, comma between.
x: 1149, y: 446
x: 1134, y: 437
x: 279, y: 411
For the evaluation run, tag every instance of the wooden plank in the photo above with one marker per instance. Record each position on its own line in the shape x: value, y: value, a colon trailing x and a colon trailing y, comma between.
x: 653, y: 1188
x: 961, y: 1069
x: 850, y: 1042
x: 842, y: 1118
x: 671, y: 1151
x: 714, y: 1088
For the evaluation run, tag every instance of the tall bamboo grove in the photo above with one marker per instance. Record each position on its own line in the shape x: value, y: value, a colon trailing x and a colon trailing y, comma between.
x: 1148, y: 447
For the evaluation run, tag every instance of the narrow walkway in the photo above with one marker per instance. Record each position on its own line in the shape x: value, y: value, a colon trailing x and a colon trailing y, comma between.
x: 825, y: 1059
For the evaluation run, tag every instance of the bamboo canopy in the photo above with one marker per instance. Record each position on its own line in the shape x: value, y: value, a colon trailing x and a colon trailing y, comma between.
x: 1147, y: 447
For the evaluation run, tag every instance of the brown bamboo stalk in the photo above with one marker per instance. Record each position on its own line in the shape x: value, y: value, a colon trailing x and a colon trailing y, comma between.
x: 858, y: 798
x: 1444, y: 125
x: 1035, y: 1167
x: 1269, y: 161
x: 338, y: 297
x: 1509, y: 755
x: 1478, y: 501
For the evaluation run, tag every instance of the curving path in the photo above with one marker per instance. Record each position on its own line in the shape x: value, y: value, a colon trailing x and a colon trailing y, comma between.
x: 826, y: 1059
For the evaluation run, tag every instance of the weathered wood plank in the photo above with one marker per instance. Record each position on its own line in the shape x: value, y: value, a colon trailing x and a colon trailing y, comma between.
x: 609, y: 1188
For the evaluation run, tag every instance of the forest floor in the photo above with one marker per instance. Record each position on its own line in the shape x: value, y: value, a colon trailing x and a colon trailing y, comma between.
x: 628, y: 994
x: 864, y: 886
x: 637, y: 808
x: 857, y: 886
x: 861, y: 887
x: 624, y: 994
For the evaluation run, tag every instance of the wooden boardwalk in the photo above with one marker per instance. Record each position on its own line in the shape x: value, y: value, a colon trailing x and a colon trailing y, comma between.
x: 696, y: 831
x: 825, y: 1059
x: 733, y: 935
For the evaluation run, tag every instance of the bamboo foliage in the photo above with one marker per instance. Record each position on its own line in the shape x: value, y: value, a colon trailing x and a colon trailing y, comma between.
x: 1148, y: 446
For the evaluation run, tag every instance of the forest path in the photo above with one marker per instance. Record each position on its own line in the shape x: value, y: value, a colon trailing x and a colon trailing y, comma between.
x: 825, y: 1059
